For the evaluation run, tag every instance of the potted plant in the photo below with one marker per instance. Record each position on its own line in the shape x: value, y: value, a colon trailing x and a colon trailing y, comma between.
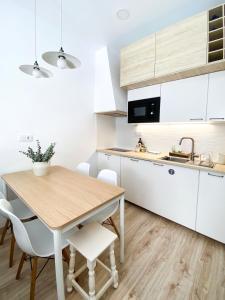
x: 40, y: 160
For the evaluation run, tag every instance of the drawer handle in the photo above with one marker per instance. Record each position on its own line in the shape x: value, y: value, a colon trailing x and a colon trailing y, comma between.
x: 220, y: 176
x: 107, y: 154
x: 216, y: 119
x: 133, y: 159
x: 159, y: 165
x: 197, y: 119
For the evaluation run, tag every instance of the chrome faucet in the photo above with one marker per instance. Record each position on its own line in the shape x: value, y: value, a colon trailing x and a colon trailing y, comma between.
x: 192, y: 147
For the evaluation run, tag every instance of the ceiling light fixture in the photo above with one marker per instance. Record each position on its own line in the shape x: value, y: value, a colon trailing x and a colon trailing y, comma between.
x: 35, y: 70
x: 123, y: 14
x: 60, y: 59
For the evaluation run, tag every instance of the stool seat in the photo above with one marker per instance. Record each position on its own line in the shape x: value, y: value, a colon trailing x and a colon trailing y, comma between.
x: 91, y: 240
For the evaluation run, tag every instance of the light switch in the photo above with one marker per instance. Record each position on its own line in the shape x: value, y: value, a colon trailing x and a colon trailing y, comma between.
x: 25, y: 138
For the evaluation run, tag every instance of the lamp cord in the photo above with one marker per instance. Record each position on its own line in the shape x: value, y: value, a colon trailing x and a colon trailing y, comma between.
x: 61, y: 22
x: 35, y: 29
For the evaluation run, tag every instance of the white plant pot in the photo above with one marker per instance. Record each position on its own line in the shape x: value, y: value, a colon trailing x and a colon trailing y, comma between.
x: 40, y: 168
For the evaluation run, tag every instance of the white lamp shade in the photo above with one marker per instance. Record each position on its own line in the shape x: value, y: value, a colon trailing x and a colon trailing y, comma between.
x: 52, y: 57
x: 28, y: 69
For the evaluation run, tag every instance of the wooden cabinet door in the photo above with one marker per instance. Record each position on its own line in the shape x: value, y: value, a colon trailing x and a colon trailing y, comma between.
x: 137, y: 61
x: 216, y: 103
x: 109, y: 161
x: 211, y: 206
x: 184, y: 100
x: 182, y: 46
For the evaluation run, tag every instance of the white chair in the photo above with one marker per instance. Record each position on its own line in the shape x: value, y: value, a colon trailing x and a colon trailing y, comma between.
x: 91, y: 241
x: 83, y: 168
x: 105, y: 216
x: 23, y: 213
x: 34, y: 239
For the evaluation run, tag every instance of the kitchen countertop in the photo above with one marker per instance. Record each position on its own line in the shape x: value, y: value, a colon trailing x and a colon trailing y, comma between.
x: 156, y: 158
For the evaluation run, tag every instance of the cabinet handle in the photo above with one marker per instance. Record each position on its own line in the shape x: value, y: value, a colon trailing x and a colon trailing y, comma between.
x: 106, y: 154
x: 159, y: 165
x: 220, y: 176
x: 216, y: 119
x: 133, y: 159
x: 197, y: 119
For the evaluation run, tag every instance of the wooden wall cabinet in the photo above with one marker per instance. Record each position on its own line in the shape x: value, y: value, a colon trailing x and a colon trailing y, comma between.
x: 137, y: 61
x: 182, y: 46
x: 192, y: 47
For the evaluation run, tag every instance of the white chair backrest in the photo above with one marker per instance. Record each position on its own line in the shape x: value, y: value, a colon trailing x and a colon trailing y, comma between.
x: 108, y: 176
x: 5, y: 204
x: 20, y: 232
x: 83, y: 168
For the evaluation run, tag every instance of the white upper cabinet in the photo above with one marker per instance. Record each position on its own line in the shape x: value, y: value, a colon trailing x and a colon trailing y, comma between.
x: 211, y: 206
x: 184, y: 100
x: 182, y: 46
x: 137, y: 61
x: 216, y: 102
x: 144, y: 93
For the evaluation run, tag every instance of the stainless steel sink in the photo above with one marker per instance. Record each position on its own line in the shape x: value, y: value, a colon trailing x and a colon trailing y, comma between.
x: 175, y: 159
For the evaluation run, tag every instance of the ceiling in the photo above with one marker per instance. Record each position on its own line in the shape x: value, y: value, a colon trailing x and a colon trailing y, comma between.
x: 95, y: 23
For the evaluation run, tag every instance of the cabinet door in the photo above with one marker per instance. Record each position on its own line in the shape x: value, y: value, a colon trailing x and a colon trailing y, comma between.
x: 184, y: 100
x: 152, y: 91
x: 172, y: 193
x: 182, y: 46
x: 132, y: 180
x: 108, y: 161
x: 211, y: 206
x: 216, y: 103
x: 137, y: 61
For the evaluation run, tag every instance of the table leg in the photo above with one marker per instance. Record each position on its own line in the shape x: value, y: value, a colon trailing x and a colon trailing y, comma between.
x: 122, y: 229
x: 58, y: 265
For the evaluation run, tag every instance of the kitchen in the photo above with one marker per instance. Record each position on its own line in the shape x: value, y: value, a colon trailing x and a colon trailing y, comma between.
x: 153, y: 113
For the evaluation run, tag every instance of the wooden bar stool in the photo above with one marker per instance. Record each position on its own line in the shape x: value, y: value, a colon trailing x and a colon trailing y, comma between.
x: 91, y: 241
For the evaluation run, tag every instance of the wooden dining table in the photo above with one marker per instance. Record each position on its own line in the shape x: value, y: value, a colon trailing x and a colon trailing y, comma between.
x: 62, y: 200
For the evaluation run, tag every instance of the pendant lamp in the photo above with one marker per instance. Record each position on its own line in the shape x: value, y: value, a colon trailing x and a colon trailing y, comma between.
x: 35, y: 70
x: 60, y: 59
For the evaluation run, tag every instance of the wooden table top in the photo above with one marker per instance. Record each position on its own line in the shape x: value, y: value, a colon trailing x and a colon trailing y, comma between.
x: 62, y: 196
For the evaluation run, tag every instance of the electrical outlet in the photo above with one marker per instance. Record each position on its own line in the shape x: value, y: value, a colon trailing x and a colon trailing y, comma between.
x: 25, y: 138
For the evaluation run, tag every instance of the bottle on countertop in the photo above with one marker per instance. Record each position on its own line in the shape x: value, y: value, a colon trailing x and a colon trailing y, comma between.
x: 140, y: 147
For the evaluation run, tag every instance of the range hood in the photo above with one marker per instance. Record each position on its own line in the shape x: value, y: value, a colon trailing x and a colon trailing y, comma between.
x: 109, y: 98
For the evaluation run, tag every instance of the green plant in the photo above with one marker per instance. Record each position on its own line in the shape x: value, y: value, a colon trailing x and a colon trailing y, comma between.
x: 38, y: 156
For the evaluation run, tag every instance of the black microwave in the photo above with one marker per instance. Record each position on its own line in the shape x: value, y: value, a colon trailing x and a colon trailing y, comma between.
x: 144, y: 111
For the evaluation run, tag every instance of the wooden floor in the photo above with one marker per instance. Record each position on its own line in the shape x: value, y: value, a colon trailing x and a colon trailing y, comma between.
x: 163, y: 261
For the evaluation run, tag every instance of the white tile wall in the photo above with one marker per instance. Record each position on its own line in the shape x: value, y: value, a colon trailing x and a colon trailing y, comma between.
x: 208, y: 137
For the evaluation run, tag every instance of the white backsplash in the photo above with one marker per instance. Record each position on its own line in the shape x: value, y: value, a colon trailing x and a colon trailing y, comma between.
x: 161, y: 137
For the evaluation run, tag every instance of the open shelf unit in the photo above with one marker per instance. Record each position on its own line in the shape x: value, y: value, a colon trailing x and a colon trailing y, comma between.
x: 216, y: 34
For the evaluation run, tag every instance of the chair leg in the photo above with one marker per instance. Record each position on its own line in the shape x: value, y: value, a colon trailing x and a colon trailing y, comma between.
x: 5, y: 228
x: 70, y: 275
x: 13, y: 240
x: 114, y: 226
x: 113, y: 266
x: 33, y: 277
x: 91, y: 267
x: 66, y: 256
x: 23, y: 258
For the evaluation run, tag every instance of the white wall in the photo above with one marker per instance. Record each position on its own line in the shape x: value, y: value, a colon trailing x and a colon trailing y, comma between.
x: 59, y: 109
x: 160, y: 137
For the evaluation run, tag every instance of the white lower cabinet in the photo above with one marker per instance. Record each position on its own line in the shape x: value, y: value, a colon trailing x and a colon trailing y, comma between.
x: 211, y: 206
x: 109, y: 161
x: 163, y: 189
